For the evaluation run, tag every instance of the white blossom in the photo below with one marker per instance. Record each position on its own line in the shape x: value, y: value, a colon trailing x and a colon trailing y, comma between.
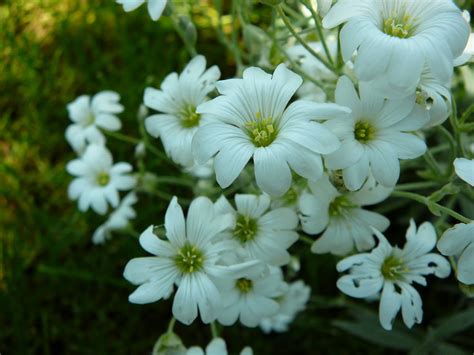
x: 177, y: 100
x: 253, y: 122
x: 155, y: 7
x: 291, y: 303
x: 400, y: 37
x: 459, y: 241
x: 375, y: 136
x: 216, y: 347
x: 264, y: 234
x: 392, y: 271
x: 98, y: 180
x: 465, y: 169
x: 189, y: 259
x: 339, y: 214
x: 118, y: 219
x: 89, y: 115
x: 251, y: 297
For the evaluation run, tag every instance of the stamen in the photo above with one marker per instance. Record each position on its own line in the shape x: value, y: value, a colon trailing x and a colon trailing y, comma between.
x: 189, y: 259
x: 261, y: 130
x: 244, y: 285
x: 246, y: 228
x: 364, y: 132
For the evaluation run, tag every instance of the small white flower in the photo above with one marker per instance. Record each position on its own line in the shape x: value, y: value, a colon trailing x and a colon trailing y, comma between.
x: 340, y: 216
x: 459, y: 241
x: 98, y: 180
x: 178, y: 98
x: 465, y: 169
x: 155, y: 7
x: 254, y: 122
x: 375, y: 136
x: 250, y: 297
x: 291, y: 303
x: 216, y: 347
x: 392, y: 270
x: 117, y: 220
x: 188, y: 259
x: 89, y: 115
x: 400, y: 37
x: 264, y: 235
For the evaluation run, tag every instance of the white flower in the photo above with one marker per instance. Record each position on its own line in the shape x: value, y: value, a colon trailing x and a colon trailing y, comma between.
x: 468, y: 54
x: 155, y: 7
x: 188, y: 259
x: 89, y: 115
x: 250, y: 297
x: 459, y: 241
x: 340, y: 216
x: 400, y: 37
x: 178, y: 98
x: 392, y: 270
x: 204, y: 171
x: 291, y: 303
x: 324, y: 6
x: 117, y: 220
x: 375, y: 136
x: 216, y: 347
x: 98, y: 180
x: 265, y: 236
x: 253, y: 122
x: 465, y: 169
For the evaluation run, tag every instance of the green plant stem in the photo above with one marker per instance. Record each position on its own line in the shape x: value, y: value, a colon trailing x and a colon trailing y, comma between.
x: 302, y: 41
x: 305, y: 239
x: 431, y: 161
x: 171, y: 325
x: 122, y: 137
x: 214, y: 330
x: 189, y: 47
x: 416, y: 185
x: 319, y: 29
x: 172, y: 180
x: 425, y: 201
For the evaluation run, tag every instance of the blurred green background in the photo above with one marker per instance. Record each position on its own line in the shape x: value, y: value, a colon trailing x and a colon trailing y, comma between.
x: 60, y: 294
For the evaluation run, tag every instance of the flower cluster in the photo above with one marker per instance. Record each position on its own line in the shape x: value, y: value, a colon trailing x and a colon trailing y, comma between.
x: 289, y: 164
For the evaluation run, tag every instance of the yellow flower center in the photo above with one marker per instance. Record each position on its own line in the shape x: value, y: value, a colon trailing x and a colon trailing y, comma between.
x: 261, y: 130
x: 398, y: 26
x: 244, y: 285
x: 245, y: 228
x: 393, y: 268
x: 102, y: 178
x: 189, y: 117
x: 364, y: 132
x: 189, y: 259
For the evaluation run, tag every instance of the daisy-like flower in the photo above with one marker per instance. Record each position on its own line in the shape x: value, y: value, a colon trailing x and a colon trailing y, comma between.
x: 155, y: 7
x: 178, y: 98
x: 250, y: 298
x: 459, y: 241
x: 375, y: 136
x: 188, y: 259
x: 465, y: 169
x: 89, y: 115
x: 264, y: 235
x: 340, y: 216
x: 98, y: 180
x: 393, y: 271
x: 291, y: 303
x: 216, y: 347
x: 253, y: 121
x: 118, y: 220
x: 400, y: 37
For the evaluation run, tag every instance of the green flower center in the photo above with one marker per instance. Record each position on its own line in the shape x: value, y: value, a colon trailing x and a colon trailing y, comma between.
x: 393, y: 268
x: 189, y: 259
x: 189, y: 117
x: 398, y: 26
x: 291, y: 196
x: 338, y: 205
x: 261, y: 131
x: 245, y: 228
x: 244, y: 285
x: 364, y: 132
x: 89, y: 120
x: 102, y: 178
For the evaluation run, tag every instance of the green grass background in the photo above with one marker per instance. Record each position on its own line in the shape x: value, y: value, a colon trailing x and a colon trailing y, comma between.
x: 60, y: 294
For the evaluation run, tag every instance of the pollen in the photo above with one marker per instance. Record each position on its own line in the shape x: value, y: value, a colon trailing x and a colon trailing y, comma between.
x: 398, y: 26
x: 261, y: 130
x: 244, y: 285
x: 189, y: 259
x: 102, y: 178
x: 246, y: 228
x: 364, y: 132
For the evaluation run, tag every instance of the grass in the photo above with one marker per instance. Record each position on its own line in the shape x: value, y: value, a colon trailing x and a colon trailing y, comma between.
x: 59, y: 294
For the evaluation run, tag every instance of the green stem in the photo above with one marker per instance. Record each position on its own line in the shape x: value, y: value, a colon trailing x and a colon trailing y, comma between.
x: 302, y: 42
x: 304, y: 238
x: 172, y: 180
x: 431, y: 161
x: 189, y: 47
x: 425, y: 201
x: 171, y: 325
x: 416, y: 185
x: 122, y: 137
x: 214, y: 330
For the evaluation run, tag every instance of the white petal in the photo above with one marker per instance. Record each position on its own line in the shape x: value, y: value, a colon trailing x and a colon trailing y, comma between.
x: 155, y: 8
x: 271, y: 170
x: 390, y: 304
x: 466, y: 266
x: 185, y: 303
x: 465, y: 169
x: 384, y: 163
x: 175, y: 224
